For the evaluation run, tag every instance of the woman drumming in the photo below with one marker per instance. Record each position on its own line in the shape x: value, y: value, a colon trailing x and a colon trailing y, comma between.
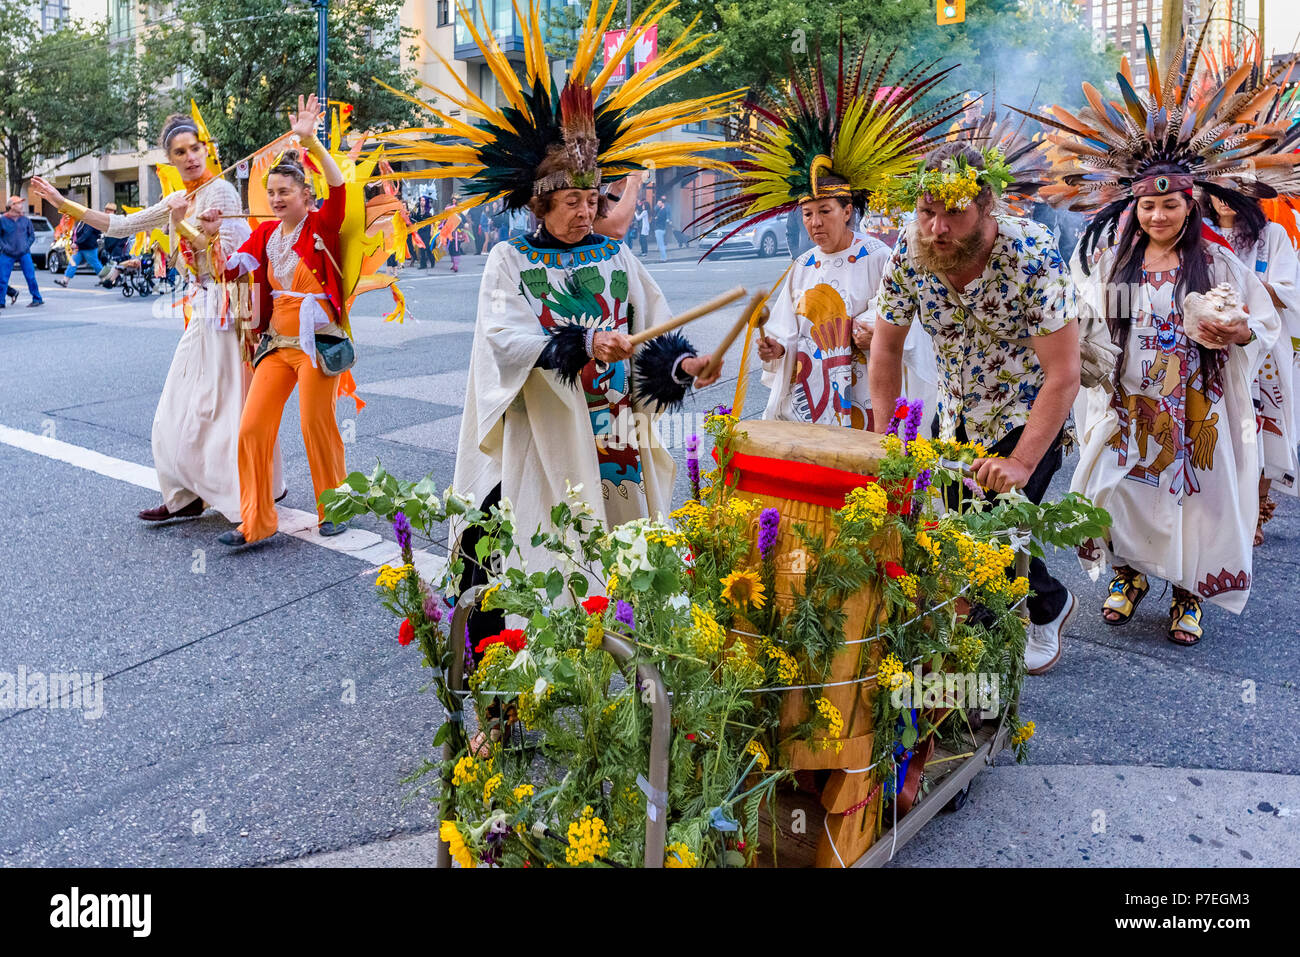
x: 555, y: 396
x: 196, y: 426
x: 294, y: 261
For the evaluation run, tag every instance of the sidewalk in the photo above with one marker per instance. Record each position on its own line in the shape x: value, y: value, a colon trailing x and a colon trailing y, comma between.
x: 1052, y: 816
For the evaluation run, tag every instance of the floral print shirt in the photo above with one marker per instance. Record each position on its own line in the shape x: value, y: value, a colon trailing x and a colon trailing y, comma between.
x: 989, y: 374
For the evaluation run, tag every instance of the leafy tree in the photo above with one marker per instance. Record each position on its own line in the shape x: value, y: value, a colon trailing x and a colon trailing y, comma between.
x: 246, y: 61
x: 1012, y: 46
x: 67, y: 93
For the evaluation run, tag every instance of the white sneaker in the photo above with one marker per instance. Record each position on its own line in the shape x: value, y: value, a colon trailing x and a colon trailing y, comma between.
x: 1043, y: 642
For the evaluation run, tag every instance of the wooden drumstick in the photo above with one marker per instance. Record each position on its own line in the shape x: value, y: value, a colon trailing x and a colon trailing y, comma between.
x: 689, y: 315
x: 753, y: 312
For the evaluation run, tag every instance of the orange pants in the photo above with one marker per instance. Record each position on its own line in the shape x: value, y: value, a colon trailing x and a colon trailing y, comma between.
x: 259, y: 429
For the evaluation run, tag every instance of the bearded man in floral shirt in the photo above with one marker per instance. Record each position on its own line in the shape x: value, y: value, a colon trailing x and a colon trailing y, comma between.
x: 995, y: 296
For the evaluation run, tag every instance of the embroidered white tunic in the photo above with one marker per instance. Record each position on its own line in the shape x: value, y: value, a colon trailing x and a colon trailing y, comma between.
x: 1177, y: 463
x: 822, y: 377
x: 531, y: 433
x: 1274, y: 261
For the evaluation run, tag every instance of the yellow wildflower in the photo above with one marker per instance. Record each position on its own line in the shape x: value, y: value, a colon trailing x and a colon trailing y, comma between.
x: 760, y: 753
x: 834, y: 724
x: 588, y: 839
x: 466, y: 770
x: 741, y: 668
x: 679, y: 855
x: 740, y: 507
x: 708, y: 636
x: 691, y: 515
x: 1024, y: 734
x: 390, y: 577
x: 595, y: 632
x: 491, y: 785
x: 489, y: 593
x: 450, y: 833
x: 866, y: 503
x: 892, y: 444
x: 908, y: 584
x: 923, y: 452
x: 523, y: 791
x: 611, y: 584
x: 787, y: 669
x: 743, y: 589
x: 890, y: 674
x: 494, y: 655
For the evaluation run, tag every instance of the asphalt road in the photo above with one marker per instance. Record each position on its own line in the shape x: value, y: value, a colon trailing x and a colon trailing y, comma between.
x: 257, y: 709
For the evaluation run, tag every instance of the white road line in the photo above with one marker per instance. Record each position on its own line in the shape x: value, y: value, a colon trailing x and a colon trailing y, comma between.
x: 369, y: 547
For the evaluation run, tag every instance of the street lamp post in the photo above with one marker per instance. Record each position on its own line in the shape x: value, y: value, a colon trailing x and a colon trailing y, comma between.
x: 322, y: 66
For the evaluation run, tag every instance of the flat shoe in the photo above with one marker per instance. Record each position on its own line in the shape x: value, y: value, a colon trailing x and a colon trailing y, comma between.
x: 233, y: 538
x: 34, y: 304
x: 161, y: 514
x: 328, y: 529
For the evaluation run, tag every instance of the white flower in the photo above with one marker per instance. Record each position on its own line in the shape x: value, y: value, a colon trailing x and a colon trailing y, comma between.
x: 522, y: 660
x: 539, y: 687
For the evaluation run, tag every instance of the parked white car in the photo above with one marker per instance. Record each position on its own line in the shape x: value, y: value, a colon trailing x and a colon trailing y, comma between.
x: 44, y: 237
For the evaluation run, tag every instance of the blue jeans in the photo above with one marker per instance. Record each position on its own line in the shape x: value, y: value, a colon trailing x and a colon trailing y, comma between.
x: 88, y: 256
x: 24, y: 262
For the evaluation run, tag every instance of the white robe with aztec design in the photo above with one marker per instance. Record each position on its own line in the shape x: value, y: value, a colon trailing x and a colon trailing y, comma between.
x: 822, y: 377
x: 1178, y: 470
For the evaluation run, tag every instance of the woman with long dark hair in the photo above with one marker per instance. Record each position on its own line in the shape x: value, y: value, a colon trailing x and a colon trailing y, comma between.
x: 1171, y: 453
x: 1265, y: 248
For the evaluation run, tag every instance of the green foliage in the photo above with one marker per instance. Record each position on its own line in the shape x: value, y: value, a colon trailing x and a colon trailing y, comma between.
x: 247, y: 61
x: 64, y: 92
x: 1016, y: 47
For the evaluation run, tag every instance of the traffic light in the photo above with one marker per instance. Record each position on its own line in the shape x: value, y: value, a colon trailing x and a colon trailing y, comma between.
x: 949, y: 11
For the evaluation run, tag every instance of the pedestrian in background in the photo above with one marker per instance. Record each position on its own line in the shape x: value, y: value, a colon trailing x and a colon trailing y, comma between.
x: 16, y: 238
x: 660, y: 223
x: 85, y: 243
x: 642, y: 221
x: 423, y: 210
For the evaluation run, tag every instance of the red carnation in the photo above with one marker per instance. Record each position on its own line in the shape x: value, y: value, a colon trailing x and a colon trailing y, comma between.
x: 895, y: 570
x: 406, y: 634
x: 690, y: 737
x: 512, y: 638
x: 595, y: 605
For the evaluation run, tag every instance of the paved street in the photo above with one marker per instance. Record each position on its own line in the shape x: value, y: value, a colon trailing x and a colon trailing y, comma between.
x: 257, y: 708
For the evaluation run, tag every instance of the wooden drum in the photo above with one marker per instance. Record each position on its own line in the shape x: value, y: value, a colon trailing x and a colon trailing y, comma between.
x: 805, y: 471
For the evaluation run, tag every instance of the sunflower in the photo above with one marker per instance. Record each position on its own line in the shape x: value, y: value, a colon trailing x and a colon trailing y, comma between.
x: 742, y: 589
x: 456, y: 844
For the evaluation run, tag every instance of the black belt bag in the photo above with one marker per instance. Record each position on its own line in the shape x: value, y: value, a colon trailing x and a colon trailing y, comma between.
x: 337, y: 353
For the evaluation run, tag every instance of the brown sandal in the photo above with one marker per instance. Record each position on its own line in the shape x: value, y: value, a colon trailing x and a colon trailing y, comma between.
x: 1266, y: 508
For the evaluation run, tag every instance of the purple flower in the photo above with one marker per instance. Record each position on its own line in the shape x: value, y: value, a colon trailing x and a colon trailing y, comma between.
x: 722, y: 410
x: 623, y: 614
x: 913, y: 425
x: 923, y: 480
x: 973, y: 487
x: 431, y: 609
x: 900, y: 409
x: 693, y: 464
x: 402, y: 529
x: 469, y: 652
x: 692, y: 443
x: 769, y: 521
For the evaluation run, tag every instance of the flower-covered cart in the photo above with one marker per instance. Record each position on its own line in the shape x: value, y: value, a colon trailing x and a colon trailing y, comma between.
x: 817, y: 651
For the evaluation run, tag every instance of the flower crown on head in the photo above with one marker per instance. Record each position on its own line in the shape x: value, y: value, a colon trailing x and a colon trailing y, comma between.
x: 955, y: 184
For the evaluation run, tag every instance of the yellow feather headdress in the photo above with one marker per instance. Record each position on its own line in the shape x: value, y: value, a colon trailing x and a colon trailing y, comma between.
x: 588, y: 138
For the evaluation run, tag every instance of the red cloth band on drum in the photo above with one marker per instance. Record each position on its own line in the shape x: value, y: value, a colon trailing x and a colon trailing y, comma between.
x: 803, y: 482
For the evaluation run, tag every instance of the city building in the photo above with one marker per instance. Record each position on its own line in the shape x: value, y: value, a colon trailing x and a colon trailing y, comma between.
x: 1120, y: 22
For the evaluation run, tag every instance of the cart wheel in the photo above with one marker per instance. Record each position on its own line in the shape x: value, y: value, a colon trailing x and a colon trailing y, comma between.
x: 958, y: 800
x: 126, y: 289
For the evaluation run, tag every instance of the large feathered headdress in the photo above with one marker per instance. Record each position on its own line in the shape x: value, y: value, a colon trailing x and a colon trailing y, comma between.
x: 581, y: 138
x: 801, y: 146
x: 1168, y: 139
